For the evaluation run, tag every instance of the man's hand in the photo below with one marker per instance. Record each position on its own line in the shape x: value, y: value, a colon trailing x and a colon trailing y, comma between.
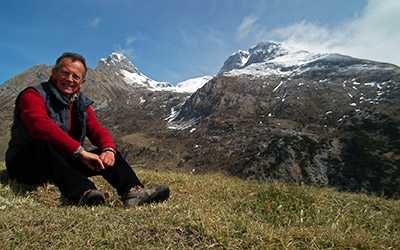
x: 92, y: 161
x: 108, y: 158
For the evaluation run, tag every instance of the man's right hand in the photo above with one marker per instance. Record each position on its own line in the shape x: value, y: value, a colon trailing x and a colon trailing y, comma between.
x: 91, y: 160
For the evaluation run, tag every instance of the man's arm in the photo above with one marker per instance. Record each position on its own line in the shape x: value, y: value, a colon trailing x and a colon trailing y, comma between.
x: 101, y: 138
x: 39, y: 124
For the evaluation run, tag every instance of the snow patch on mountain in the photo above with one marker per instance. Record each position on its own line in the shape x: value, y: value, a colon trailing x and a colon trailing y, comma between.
x: 192, y: 85
x: 179, y: 125
x: 144, y: 81
x: 296, y: 58
x: 259, y: 70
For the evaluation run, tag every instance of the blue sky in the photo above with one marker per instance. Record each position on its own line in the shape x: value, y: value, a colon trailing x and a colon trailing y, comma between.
x: 174, y: 40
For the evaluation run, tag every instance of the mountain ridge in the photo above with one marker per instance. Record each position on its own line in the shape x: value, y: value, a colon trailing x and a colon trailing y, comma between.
x: 272, y: 113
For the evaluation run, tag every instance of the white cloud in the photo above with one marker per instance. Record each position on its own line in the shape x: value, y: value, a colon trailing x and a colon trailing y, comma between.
x: 247, y: 26
x: 129, y: 40
x: 373, y: 34
x: 94, y: 23
x: 376, y: 33
x: 308, y: 36
x: 128, y: 52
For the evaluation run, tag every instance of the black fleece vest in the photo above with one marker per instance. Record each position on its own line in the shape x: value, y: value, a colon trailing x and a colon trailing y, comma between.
x: 58, y: 110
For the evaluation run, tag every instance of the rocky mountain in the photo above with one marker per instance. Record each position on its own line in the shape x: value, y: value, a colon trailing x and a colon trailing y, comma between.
x: 272, y: 113
x: 275, y: 113
x: 118, y: 65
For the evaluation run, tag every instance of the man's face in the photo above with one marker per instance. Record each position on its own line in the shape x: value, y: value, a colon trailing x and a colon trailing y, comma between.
x: 68, y: 78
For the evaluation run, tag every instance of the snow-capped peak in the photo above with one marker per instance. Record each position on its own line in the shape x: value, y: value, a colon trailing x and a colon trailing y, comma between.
x: 269, y: 55
x: 235, y: 61
x: 119, y: 61
x: 120, y: 64
x: 116, y: 57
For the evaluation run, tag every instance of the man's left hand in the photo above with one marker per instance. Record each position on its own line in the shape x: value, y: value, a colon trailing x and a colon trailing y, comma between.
x: 108, y: 158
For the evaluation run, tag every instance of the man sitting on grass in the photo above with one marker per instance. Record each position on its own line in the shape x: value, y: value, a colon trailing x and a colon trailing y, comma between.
x: 51, y: 122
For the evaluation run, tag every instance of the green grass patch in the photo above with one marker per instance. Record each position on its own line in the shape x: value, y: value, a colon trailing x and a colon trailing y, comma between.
x: 203, y: 212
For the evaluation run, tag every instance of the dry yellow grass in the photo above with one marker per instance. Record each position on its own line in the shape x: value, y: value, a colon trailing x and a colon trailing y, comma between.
x: 203, y: 212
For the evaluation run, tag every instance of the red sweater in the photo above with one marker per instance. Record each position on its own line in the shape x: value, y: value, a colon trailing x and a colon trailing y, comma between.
x: 39, y: 124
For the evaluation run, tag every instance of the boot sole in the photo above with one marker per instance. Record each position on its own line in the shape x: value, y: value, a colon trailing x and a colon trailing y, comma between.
x: 161, y: 194
x: 95, y: 197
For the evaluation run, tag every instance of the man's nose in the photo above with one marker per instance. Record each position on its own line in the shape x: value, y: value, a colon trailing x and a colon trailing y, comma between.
x: 70, y: 78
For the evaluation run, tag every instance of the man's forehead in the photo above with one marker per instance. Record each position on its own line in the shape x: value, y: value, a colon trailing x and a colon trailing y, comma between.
x: 68, y: 62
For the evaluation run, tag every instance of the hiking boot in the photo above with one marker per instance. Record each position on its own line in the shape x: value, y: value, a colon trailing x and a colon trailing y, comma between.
x: 91, y: 197
x: 138, y: 196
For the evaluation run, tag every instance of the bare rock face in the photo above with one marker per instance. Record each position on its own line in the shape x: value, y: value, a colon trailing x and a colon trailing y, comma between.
x: 10, y: 89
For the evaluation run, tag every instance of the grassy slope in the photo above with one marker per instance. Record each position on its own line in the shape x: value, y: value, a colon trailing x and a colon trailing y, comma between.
x: 204, y: 212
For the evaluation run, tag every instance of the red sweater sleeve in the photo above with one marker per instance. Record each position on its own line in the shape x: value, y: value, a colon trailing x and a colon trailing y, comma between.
x: 99, y: 136
x: 39, y: 124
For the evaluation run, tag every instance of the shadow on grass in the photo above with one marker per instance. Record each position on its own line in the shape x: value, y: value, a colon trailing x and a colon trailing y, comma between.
x: 19, y: 189
x: 22, y: 189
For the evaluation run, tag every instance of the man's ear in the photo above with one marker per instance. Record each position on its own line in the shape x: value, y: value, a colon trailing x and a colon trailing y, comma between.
x: 53, y: 71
